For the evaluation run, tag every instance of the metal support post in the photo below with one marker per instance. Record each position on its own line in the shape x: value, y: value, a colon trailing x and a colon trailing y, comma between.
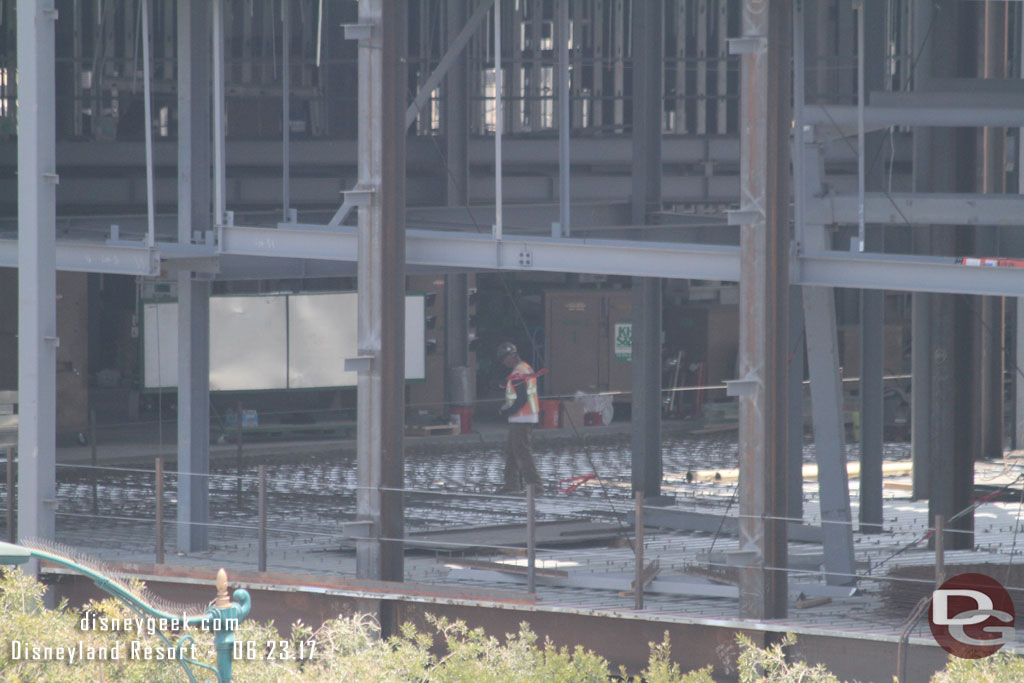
x: 12, y: 534
x: 238, y: 457
x: 646, y: 426
x: 261, y: 541
x: 456, y: 310
x: 940, y: 550
x: 799, y: 99
x: 797, y: 345
x: 639, y: 551
x: 920, y: 401
x: 921, y: 324
x: 456, y: 332
x: 531, y: 538
x: 456, y: 106
x: 827, y: 402
x: 219, y: 201
x: 286, y: 110
x: 872, y: 330
x: 858, y: 6
x: 93, y: 460
x: 148, y: 128
x: 952, y: 467
x: 990, y: 331
x: 497, y: 121
x: 564, y: 129
x: 37, y: 273
x: 159, y: 510
x: 797, y: 356
x: 1018, y: 376
x: 194, y: 214
x: 647, y: 299
x: 765, y: 123
x: 381, y: 294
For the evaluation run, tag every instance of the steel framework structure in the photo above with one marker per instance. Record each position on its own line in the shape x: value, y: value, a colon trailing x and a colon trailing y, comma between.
x: 209, y: 241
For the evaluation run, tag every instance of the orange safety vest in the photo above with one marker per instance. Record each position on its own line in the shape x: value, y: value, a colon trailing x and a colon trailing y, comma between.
x: 530, y: 412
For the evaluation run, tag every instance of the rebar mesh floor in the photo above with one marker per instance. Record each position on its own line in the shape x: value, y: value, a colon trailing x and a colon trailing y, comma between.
x: 452, y: 486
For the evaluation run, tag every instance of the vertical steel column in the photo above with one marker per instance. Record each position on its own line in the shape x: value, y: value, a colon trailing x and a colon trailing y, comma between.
x: 286, y: 110
x: 148, y: 126
x: 37, y: 271
x: 679, y: 123
x: 827, y: 400
x: 1018, y: 375
x: 646, y: 428
x: 764, y: 295
x: 219, y: 200
x: 703, y: 26
x: 920, y: 322
x: 993, y: 180
x: 952, y: 467
x: 795, y: 433
x: 194, y: 214
x: 381, y: 276
x: 498, y: 120
x: 722, y: 68
x: 871, y: 62
x: 872, y: 331
x: 797, y: 355
x: 564, y: 128
x: 858, y: 6
x: 456, y: 125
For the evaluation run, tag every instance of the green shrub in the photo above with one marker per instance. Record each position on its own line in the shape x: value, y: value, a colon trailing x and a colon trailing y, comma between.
x: 346, y: 649
x: 1002, y: 667
x: 770, y: 664
x: 351, y: 649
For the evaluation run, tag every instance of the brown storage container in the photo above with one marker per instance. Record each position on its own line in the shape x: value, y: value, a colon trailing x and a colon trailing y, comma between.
x: 580, y: 339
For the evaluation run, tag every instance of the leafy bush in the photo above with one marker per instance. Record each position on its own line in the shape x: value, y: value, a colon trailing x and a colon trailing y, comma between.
x: 346, y: 649
x: 352, y: 650
x: 1002, y: 667
x: 770, y: 664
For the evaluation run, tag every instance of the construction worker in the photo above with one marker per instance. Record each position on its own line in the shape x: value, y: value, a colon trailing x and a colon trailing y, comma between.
x: 522, y: 409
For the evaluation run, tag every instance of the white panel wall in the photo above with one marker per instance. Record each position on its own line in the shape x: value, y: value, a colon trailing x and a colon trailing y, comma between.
x: 297, y: 341
x: 248, y: 343
x: 322, y: 329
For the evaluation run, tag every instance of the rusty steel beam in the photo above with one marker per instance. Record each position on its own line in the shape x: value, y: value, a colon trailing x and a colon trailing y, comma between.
x: 381, y: 292
x: 764, y: 301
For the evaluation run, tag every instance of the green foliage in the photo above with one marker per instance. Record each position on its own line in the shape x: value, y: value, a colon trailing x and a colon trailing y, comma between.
x: 1002, y: 667
x: 661, y: 668
x: 346, y: 649
x: 757, y: 665
x: 350, y: 649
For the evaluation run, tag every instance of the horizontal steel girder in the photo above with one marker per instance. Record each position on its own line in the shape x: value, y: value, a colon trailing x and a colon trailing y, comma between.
x: 446, y: 250
x: 919, y: 209
x: 481, y: 252
x: 963, y: 113
x: 907, y: 273
x: 93, y: 257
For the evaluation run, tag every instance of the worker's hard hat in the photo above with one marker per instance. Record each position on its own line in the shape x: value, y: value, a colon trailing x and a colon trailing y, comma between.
x: 506, y: 349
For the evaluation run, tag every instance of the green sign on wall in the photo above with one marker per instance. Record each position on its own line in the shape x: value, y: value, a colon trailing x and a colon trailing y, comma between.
x: 624, y: 342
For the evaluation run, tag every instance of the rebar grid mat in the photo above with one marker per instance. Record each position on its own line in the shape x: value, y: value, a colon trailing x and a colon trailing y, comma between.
x: 900, y: 597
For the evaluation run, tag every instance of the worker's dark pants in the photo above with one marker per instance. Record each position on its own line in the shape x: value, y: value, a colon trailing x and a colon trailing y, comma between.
x: 519, y: 465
